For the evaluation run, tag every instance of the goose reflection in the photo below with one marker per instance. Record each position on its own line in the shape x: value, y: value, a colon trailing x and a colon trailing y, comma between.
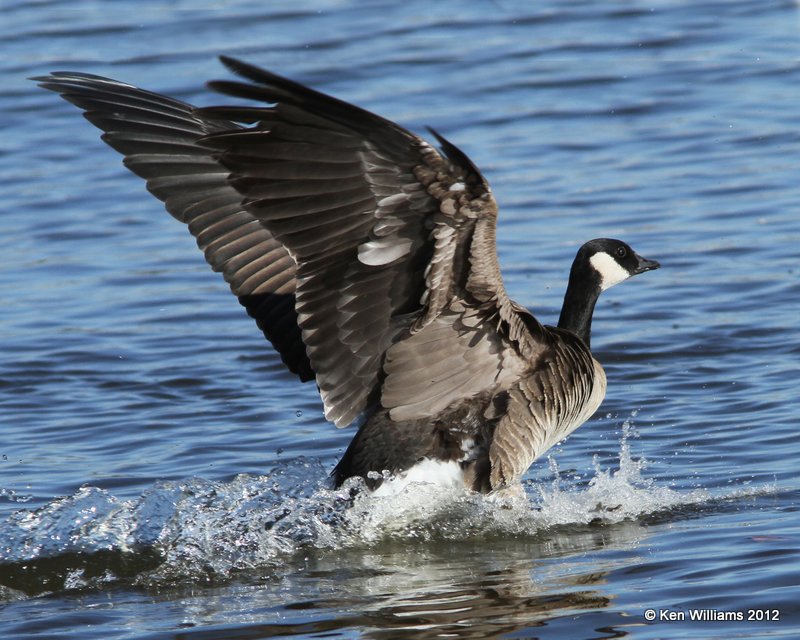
x: 446, y: 589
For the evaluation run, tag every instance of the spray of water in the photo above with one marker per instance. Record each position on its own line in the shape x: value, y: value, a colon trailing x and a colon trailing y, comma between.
x: 201, y: 530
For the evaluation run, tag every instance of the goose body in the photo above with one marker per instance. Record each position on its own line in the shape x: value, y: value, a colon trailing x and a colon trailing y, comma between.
x: 367, y: 257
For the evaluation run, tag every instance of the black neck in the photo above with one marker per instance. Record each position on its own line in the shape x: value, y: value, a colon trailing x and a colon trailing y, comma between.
x: 579, y: 300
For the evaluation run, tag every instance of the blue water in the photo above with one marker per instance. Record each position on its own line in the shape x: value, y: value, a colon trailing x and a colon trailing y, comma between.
x: 162, y: 476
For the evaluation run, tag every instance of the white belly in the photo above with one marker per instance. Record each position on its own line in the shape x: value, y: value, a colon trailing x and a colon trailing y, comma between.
x: 438, y: 472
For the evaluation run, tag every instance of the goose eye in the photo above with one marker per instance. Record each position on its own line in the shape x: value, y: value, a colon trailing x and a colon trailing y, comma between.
x: 621, y: 252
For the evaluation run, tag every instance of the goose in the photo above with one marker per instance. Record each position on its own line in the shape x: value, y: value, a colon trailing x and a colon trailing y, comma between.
x: 367, y: 257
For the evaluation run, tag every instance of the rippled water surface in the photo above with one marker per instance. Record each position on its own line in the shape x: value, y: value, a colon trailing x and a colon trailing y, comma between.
x: 163, y: 477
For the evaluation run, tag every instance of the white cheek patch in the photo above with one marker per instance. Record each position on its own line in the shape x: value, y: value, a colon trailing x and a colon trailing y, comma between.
x: 610, y: 271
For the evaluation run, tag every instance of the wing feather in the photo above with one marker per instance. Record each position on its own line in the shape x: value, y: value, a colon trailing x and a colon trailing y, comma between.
x: 383, y: 256
x: 365, y: 255
x: 159, y: 138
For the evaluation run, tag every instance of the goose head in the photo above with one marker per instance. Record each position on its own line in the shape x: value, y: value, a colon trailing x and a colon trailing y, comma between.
x: 600, y: 264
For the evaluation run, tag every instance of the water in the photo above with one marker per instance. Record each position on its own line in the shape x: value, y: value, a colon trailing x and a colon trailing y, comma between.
x: 163, y: 477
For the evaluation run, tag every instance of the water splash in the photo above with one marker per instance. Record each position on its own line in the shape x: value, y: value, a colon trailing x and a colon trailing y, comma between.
x: 204, y: 531
x: 612, y: 495
x: 9, y: 495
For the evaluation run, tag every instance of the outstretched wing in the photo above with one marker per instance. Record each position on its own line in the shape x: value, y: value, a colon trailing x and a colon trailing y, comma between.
x: 397, y: 269
x: 366, y: 256
x: 159, y: 138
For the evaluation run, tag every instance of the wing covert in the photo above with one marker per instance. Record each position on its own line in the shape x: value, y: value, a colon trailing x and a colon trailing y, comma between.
x: 387, y: 234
